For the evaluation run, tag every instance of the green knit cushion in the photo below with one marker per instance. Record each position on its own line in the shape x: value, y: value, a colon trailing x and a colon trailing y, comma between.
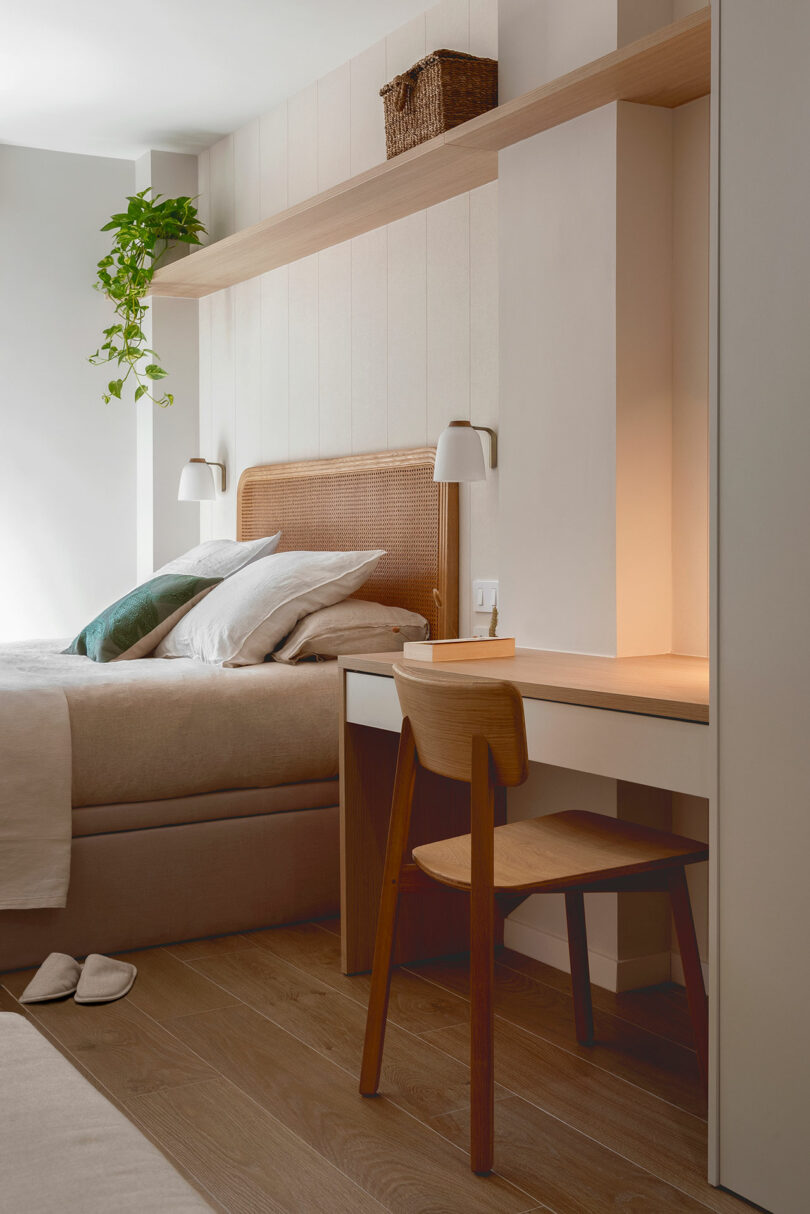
x: 132, y: 627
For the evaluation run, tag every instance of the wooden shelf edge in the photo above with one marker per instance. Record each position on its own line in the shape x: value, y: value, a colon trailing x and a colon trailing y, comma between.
x: 422, y: 177
x: 669, y: 67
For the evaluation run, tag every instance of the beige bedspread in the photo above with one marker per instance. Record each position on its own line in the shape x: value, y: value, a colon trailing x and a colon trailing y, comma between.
x: 167, y: 728
x: 35, y: 819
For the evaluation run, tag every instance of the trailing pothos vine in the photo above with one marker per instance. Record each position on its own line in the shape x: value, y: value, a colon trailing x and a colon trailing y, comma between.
x: 143, y: 235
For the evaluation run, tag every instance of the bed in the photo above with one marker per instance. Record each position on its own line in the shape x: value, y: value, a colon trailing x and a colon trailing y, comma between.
x: 205, y: 800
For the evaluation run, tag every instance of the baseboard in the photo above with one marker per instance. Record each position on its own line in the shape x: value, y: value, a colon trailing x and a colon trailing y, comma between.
x: 611, y: 973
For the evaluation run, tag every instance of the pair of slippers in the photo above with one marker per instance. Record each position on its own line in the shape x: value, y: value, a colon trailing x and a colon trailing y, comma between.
x: 98, y: 980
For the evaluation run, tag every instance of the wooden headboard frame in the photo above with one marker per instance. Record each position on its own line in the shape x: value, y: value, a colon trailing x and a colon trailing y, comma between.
x: 386, y: 500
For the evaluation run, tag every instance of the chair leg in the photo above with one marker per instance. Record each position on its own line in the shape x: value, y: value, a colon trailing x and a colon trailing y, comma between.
x: 580, y: 972
x: 398, y: 831
x: 482, y: 962
x: 693, y: 974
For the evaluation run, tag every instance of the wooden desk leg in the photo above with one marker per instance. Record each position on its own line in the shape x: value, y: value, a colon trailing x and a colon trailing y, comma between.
x: 430, y: 924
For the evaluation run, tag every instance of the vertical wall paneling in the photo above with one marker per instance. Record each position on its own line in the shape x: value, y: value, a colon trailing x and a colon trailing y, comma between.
x: 221, y: 207
x: 448, y: 25
x: 407, y: 334
x: 484, y: 28
x: 334, y: 160
x: 273, y: 161
x: 303, y: 358
x: 223, y: 413
x: 335, y: 350
x: 204, y: 190
x: 369, y: 340
x: 274, y: 357
x: 206, y: 443
x: 367, y: 135
x: 247, y: 176
x: 247, y: 333
x: 405, y: 47
x: 373, y: 344
x: 302, y: 145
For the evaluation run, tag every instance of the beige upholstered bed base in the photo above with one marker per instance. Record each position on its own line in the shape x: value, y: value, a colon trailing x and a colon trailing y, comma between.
x: 246, y: 860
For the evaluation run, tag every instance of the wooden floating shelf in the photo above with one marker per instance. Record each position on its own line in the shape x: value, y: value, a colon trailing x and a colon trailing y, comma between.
x: 667, y: 68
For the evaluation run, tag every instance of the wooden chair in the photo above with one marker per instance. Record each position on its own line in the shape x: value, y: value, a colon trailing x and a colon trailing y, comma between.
x: 473, y: 730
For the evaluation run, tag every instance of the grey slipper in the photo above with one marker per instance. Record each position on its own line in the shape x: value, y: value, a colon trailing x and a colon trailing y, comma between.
x: 57, y: 977
x: 103, y: 979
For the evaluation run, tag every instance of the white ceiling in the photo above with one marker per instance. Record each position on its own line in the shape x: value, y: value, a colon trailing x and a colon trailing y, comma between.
x: 116, y: 77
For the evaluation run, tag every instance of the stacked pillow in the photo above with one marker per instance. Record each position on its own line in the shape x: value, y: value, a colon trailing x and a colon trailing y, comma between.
x: 353, y: 626
x: 245, y: 618
x: 237, y: 604
x: 133, y: 626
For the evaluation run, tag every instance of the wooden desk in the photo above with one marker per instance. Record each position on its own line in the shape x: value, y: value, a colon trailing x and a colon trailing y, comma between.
x: 640, y: 720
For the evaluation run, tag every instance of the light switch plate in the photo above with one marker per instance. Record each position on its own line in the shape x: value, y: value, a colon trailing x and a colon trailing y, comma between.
x: 485, y: 595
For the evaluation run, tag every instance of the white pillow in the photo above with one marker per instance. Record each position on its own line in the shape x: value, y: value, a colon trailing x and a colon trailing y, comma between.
x: 244, y: 618
x: 353, y: 626
x: 221, y: 558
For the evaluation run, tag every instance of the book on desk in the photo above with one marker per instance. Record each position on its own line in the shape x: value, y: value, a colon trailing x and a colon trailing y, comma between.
x: 459, y: 649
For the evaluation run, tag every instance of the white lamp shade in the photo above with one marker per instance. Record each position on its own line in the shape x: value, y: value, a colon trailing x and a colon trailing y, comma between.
x: 459, y: 454
x: 196, y: 482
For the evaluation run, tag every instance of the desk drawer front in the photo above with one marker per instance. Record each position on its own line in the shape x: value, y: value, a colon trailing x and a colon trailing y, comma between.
x: 622, y: 745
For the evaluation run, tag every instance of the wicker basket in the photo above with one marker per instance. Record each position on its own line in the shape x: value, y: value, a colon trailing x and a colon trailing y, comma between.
x: 439, y: 92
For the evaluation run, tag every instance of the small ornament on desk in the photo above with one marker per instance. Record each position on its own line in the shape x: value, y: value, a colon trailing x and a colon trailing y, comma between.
x: 493, y: 622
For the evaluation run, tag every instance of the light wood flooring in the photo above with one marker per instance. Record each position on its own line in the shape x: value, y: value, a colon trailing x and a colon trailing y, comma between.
x: 240, y: 1056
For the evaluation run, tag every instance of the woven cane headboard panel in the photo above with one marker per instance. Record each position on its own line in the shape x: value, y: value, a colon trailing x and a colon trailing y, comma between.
x: 388, y: 500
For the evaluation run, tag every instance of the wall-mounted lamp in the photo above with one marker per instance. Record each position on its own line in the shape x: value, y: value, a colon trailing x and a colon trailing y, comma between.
x: 459, y: 455
x: 197, y: 480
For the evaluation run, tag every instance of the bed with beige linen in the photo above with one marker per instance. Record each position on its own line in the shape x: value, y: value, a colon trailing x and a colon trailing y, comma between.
x: 204, y: 799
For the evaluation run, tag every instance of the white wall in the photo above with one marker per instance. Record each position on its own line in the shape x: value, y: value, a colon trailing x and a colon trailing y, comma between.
x: 67, y: 486
x: 376, y: 343
x: 762, y: 667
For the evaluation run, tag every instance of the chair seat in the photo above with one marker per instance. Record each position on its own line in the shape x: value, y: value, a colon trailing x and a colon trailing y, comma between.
x: 562, y: 851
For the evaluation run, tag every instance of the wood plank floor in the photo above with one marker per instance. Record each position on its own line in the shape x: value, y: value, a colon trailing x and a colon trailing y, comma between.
x: 240, y: 1057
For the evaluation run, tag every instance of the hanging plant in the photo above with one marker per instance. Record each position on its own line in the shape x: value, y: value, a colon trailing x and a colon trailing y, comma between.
x: 144, y: 233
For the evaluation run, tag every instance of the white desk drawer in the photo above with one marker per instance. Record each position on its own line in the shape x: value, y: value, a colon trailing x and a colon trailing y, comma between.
x: 623, y: 745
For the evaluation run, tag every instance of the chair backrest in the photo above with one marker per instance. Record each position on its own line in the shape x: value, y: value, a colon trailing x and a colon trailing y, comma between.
x: 446, y: 713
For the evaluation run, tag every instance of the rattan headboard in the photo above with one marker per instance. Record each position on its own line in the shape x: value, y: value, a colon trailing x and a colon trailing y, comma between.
x: 387, y: 500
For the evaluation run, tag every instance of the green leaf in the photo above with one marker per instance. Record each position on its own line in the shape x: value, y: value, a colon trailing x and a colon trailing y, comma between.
x: 114, y: 387
x: 140, y: 391
x: 154, y: 371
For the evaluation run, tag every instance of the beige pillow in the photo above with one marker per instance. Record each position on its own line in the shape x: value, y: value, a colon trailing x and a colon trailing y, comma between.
x: 245, y: 617
x: 353, y: 626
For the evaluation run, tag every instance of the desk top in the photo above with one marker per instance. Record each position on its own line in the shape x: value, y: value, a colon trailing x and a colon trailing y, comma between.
x: 661, y: 685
